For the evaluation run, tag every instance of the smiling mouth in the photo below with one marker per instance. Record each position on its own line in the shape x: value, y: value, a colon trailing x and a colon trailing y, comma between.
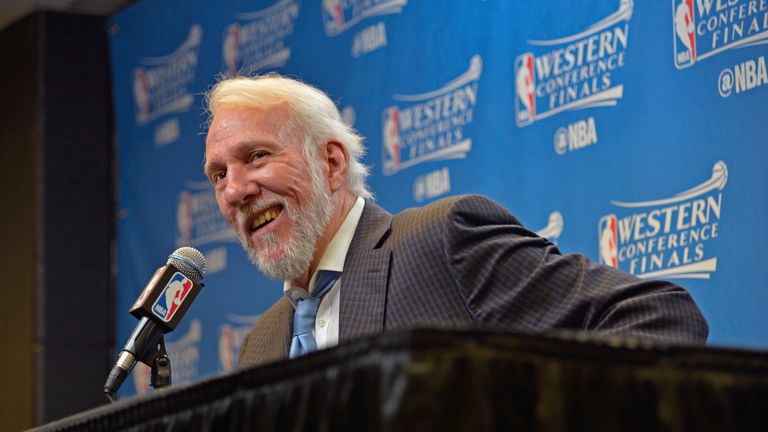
x: 264, y: 218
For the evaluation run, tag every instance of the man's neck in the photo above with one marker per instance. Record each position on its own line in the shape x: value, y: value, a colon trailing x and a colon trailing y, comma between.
x: 342, y: 203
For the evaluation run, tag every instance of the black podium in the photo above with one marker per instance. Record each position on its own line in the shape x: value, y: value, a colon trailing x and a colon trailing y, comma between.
x: 438, y: 380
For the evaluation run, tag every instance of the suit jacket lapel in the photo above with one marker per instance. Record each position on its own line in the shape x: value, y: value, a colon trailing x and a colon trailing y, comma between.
x: 270, y: 338
x: 364, y: 281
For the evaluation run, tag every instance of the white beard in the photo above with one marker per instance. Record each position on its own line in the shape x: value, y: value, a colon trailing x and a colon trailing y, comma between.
x: 295, y: 252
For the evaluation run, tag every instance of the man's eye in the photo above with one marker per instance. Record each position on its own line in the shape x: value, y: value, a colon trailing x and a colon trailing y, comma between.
x: 258, y: 154
x: 218, y: 176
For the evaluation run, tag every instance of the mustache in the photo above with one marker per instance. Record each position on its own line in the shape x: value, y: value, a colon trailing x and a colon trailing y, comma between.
x: 257, y: 206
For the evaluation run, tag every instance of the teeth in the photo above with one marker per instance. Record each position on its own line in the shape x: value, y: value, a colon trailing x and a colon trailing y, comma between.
x: 264, y: 218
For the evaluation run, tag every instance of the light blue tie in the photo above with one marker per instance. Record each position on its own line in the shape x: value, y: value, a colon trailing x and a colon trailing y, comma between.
x: 306, y: 311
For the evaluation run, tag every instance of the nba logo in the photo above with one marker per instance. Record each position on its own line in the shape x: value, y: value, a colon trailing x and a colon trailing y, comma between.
x: 231, y: 48
x: 227, y: 348
x: 184, y: 218
x: 141, y: 93
x: 609, y: 244
x: 685, y: 37
x: 525, y: 82
x: 391, y: 142
x: 142, y: 376
x: 334, y: 16
x: 169, y: 300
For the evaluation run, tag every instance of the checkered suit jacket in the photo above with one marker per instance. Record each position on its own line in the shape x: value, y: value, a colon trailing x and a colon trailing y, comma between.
x: 467, y: 262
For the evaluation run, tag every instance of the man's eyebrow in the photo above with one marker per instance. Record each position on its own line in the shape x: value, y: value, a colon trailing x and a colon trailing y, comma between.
x: 243, y: 146
x: 207, y: 167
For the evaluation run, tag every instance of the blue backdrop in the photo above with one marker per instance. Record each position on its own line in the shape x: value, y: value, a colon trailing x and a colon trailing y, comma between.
x: 632, y: 133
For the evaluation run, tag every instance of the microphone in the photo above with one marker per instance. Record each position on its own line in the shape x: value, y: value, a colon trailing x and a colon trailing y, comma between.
x: 159, y: 308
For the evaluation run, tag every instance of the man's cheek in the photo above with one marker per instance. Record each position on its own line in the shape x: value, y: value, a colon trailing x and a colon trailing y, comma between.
x: 229, y: 215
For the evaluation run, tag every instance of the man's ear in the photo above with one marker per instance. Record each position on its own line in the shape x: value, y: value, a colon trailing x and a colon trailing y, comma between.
x: 337, y: 157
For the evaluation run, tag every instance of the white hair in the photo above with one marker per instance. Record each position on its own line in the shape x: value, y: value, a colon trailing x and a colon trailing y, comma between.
x: 312, y: 112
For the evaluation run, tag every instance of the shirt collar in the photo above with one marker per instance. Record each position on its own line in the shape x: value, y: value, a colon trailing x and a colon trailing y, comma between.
x: 335, y: 254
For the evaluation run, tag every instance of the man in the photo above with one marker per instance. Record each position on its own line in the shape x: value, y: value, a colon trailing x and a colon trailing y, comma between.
x: 288, y: 177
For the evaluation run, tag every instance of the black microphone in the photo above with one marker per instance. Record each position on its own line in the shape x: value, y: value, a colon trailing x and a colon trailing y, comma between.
x: 159, y: 309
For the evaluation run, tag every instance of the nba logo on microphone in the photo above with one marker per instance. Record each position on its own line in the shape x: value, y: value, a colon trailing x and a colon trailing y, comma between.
x: 685, y: 37
x: 608, y: 240
x: 169, y: 300
x: 525, y: 82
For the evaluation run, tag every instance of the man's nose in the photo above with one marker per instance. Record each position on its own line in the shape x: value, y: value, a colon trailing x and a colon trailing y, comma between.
x: 241, y: 188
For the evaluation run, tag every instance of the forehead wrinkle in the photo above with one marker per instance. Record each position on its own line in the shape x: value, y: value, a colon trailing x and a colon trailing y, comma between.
x: 276, y: 115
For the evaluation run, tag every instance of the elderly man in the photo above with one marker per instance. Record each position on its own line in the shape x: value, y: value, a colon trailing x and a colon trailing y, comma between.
x: 288, y: 177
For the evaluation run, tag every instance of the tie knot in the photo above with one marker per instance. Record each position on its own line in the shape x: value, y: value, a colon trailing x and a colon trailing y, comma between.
x: 324, y: 281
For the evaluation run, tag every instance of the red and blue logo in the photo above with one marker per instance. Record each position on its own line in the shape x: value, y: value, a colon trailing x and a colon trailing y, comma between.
x: 525, y: 83
x: 609, y: 240
x: 169, y: 300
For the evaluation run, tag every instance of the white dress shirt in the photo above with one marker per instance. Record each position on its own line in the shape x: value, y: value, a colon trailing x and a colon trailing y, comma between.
x: 327, y: 323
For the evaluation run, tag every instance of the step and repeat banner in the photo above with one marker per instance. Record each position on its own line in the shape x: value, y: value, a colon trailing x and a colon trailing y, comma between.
x: 633, y: 133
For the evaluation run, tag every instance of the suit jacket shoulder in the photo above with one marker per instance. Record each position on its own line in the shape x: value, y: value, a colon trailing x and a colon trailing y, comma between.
x: 510, y: 278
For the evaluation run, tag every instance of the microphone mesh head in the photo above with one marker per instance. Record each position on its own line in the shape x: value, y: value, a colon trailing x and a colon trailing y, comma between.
x: 189, y: 261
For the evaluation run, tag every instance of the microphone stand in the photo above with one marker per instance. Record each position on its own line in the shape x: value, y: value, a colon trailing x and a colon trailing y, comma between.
x: 161, y: 368
x: 160, y: 364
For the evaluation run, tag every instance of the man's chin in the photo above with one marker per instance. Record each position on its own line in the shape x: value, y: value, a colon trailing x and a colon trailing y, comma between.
x: 276, y: 264
x: 279, y: 270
